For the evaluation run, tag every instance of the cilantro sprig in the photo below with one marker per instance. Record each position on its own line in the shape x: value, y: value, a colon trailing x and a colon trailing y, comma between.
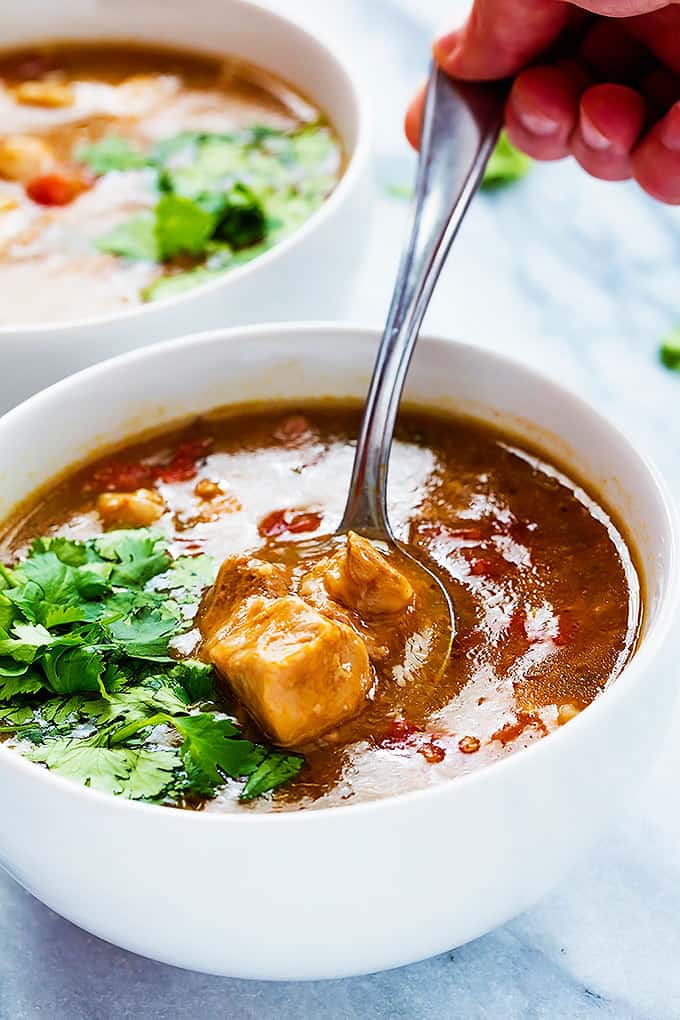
x: 89, y: 686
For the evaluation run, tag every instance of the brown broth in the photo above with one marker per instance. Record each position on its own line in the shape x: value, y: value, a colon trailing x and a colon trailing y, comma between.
x: 544, y: 586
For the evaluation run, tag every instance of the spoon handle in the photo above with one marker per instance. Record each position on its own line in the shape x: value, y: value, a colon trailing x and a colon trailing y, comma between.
x: 461, y: 122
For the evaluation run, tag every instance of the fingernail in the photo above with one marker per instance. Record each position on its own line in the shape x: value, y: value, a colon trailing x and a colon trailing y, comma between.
x: 538, y: 123
x: 592, y: 136
x: 446, y: 49
x: 446, y: 43
x: 670, y: 129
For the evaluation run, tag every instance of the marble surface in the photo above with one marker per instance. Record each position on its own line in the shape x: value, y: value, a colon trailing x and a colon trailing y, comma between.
x: 579, y: 278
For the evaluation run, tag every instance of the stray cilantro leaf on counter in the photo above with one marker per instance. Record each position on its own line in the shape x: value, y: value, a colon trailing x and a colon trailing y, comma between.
x: 669, y: 352
x: 88, y: 684
x: 506, y: 165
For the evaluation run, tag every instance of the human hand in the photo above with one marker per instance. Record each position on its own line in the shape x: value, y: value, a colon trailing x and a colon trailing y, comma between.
x: 597, y: 79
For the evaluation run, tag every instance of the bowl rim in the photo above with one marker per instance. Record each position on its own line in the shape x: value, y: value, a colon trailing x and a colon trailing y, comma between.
x: 633, y: 671
x: 357, y: 162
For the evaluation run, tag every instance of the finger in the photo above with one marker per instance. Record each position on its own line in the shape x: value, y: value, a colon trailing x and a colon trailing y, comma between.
x: 660, y: 32
x: 542, y: 110
x: 414, y: 116
x: 656, y: 159
x: 661, y: 87
x: 613, y: 54
x: 499, y: 37
x: 611, y: 118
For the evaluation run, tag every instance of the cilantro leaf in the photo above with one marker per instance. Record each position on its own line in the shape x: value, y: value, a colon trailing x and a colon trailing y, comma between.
x: 669, y: 352
x: 25, y: 683
x: 85, y: 761
x: 506, y: 165
x: 137, y: 555
x: 133, y: 239
x: 52, y: 592
x: 134, y: 705
x: 195, y: 678
x: 277, y: 768
x: 144, y: 634
x: 241, y: 220
x: 216, y: 748
x: 140, y: 774
x: 70, y: 670
x: 187, y: 577
x: 170, y: 286
x: 111, y: 153
x: 181, y: 226
x: 151, y: 772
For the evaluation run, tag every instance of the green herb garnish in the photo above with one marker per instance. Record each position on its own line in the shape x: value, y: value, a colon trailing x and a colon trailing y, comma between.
x: 669, y: 352
x: 111, y: 153
x: 222, y: 199
x: 88, y: 683
x: 507, y: 164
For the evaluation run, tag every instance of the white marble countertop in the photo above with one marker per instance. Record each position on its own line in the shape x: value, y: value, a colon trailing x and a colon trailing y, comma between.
x: 581, y: 279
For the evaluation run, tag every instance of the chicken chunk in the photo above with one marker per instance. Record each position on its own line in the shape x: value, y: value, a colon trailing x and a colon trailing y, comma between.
x: 360, y: 577
x: 239, y: 579
x: 296, y: 671
x: 44, y: 93
x: 23, y: 157
x: 136, y: 509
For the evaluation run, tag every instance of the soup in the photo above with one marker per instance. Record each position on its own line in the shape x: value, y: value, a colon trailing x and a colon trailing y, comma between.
x: 130, y: 175
x: 169, y: 633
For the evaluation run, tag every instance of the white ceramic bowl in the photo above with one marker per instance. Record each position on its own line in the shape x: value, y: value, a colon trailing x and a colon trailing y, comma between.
x: 308, y: 275
x: 353, y: 889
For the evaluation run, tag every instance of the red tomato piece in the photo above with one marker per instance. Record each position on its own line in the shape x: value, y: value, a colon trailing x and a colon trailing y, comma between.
x: 432, y: 753
x: 120, y: 476
x: 56, y: 188
x: 399, y: 734
x: 292, y: 430
x: 294, y: 522
x: 183, y: 466
x: 491, y: 567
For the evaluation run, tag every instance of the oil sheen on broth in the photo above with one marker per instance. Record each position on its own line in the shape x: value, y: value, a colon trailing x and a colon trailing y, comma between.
x: 545, y: 591
x: 132, y: 174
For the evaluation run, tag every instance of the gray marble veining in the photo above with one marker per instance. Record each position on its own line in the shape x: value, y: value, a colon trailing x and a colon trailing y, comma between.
x: 580, y: 279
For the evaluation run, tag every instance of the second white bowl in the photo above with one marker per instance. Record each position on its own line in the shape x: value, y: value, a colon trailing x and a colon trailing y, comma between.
x: 308, y: 275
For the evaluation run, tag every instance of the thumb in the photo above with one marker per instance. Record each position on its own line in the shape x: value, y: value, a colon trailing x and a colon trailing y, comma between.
x: 500, y: 37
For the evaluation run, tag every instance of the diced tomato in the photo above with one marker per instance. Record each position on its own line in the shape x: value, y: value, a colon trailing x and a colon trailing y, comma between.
x: 292, y: 430
x: 432, y: 752
x: 120, y: 476
x: 294, y: 522
x: 491, y: 567
x: 403, y: 734
x: 56, y: 188
x: 399, y: 733
x: 183, y: 466
x: 31, y: 66
x: 512, y: 730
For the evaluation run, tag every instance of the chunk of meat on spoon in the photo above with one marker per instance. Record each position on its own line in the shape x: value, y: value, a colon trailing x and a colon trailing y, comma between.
x: 297, y: 662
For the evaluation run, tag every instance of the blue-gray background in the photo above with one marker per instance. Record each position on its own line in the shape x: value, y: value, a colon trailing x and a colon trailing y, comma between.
x: 581, y: 279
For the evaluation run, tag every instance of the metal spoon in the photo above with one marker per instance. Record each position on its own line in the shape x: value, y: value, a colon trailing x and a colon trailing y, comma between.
x: 461, y: 123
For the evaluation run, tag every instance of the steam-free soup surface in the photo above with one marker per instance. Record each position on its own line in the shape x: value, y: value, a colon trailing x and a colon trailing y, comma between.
x: 133, y: 174
x: 545, y: 593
